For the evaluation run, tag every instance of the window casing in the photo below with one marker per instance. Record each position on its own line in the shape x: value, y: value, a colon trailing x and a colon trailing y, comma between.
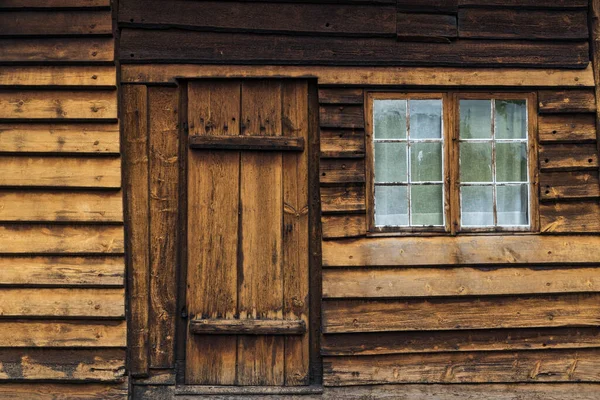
x: 487, y: 182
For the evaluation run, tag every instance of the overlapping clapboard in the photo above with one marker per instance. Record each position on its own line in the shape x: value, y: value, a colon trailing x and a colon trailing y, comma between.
x: 62, y: 294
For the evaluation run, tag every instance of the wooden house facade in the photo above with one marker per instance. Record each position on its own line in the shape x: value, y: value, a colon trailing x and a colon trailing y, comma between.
x: 299, y: 199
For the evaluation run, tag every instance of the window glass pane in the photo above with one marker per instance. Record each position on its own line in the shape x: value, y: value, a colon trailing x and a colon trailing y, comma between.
x: 426, y: 162
x: 427, y: 204
x: 391, y: 206
x: 512, y: 207
x: 475, y: 119
x: 425, y: 119
x: 390, y: 162
x: 511, y: 162
x: 511, y: 119
x: 475, y: 162
x: 389, y: 119
x: 477, y: 207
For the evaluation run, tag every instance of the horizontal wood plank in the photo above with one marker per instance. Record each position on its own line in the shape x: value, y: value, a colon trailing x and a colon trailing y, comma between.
x: 570, y: 217
x: 59, y: 239
x: 468, y: 250
x: 87, y: 138
x: 569, y: 185
x: 566, y: 101
x: 63, y: 334
x: 568, y: 157
x: 522, y: 24
x: 35, y: 206
x: 342, y: 199
x: 340, y: 143
x: 61, y: 303
x: 58, y: 105
x: 25, y: 23
x: 342, y: 116
x: 342, y: 171
x: 282, y: 17
x: 62, y: 271
x: 525, y: 3
x: 245, y: 143
x: 42, y: 171
x: 459, y: 341
x: 341, y: 96
x: 55, y: 50
x: 17, y: 4
x: 247, y: 327
x: 429, y: 76
x: 343, y: 226
x: 48, y: 391
x: 433, y: 282
x: 216, y: 47
x: 55, y: 75
x: 527, y: 366
x: 432, y: 6
x: 62, y: 365
x: 426, y: 27
x: 567, y: 128
x: 496, y: 391
x: 348, y: 316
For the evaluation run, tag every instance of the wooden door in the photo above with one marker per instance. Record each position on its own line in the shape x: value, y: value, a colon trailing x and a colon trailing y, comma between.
x: 247, y: 233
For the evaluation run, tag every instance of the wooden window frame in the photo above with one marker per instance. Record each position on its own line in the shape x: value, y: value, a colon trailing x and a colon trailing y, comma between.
x: 451, y: 166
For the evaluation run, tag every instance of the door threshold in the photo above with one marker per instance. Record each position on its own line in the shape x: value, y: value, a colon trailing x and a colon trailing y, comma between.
x: 187, y: 390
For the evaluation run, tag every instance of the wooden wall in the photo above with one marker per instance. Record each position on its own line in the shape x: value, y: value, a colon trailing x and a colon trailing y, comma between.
x: 62, y: 294
x: 368, y: 32
x: 466, y: 309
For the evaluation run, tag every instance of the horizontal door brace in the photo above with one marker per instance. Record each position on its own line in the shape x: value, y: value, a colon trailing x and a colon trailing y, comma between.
x: 215, y: 326
x: 255, y: 143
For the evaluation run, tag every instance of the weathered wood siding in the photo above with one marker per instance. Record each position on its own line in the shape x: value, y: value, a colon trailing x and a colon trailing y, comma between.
x: 467, y: 309
x: 62, y: 269
x: 151, y: 152
x: 378, y: 32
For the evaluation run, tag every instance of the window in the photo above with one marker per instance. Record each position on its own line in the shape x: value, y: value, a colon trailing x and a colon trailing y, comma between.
x: 450, y: 162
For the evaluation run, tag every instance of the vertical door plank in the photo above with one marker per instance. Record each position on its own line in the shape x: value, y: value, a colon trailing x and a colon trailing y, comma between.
x: 261, y: 358
x: 295, y: 231
x: 135, y: 131
x: 213, y: 192
x: 164, y: 189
